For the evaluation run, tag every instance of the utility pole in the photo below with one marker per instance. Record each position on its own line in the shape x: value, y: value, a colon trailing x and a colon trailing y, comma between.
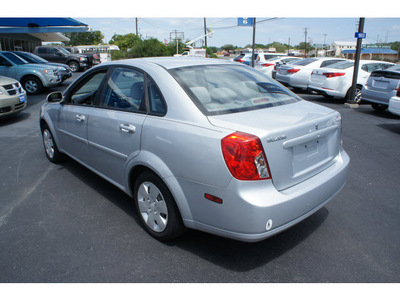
x: 305, y: 42
x: 254, y: 41
x: 205, y: 32
x: 324, y: 44
x: 352, y: 94
x: 137, y: 31
x: 288, y: 47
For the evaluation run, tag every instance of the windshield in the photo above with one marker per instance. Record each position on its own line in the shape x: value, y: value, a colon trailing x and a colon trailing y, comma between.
x: 15, y: 59
x: 64, y: 51
x: 32, y: 58
x: 221, y: 89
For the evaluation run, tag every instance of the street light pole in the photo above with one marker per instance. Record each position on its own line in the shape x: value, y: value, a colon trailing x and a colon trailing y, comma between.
x: 352, y: 94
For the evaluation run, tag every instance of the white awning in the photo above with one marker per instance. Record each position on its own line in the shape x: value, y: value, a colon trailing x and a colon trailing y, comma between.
x: 50, y: 37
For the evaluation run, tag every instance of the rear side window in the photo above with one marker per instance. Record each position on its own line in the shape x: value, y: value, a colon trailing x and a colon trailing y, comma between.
x: 42, y: 50
x: 304, y: 62
x: 329, y: 62
x: 222, y: 89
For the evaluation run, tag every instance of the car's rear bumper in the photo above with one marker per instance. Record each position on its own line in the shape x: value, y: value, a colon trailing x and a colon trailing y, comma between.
x: 248, y: 207
x: 394, y: 105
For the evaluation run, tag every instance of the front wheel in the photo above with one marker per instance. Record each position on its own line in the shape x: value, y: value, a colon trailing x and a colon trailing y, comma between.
x: 74, y: 66
x: 156, y: 207
x: 50, y: 147
x: 32, y: 85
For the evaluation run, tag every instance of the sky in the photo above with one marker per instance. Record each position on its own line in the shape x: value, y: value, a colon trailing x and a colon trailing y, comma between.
x: 268, y: 30
x: 327, y: 21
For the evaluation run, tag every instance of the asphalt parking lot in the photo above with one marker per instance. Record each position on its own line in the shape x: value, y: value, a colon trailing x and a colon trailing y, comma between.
x: 63, y: 223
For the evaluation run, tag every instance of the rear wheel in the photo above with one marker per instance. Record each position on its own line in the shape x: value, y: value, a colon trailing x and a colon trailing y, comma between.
x: 357, y: 95
x: 379, y: 107
x: 156, y: 207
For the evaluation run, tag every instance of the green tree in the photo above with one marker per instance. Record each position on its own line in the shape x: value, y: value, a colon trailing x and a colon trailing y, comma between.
x: 148, y: 48
x: 125, y: 42
x: 84, y: 38
x: 171, y: 48
x: 228, y: 47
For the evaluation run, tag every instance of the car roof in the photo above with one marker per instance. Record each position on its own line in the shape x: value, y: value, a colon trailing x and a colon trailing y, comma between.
x: 174, y: 62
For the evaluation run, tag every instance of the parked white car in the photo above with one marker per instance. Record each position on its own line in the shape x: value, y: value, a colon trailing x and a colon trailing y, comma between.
x: 298, y: 73
x: 394, y: 104
x: 336, y: 80
x: 12, y: 96
x: 267, y: 66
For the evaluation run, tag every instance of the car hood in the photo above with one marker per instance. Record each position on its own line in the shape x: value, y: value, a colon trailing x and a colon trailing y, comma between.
x: 6, y: 80
x: 299, y: 139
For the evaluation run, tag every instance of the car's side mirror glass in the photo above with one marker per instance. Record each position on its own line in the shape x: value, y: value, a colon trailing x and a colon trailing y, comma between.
x: 54, y: 97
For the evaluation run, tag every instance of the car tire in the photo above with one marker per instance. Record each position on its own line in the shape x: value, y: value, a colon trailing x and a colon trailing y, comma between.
x: 357, y: 95
x: 32, y: 85
x: 50, y: 147
x: 379, y: 107
x: 74, y: 66
x: 157, y: 208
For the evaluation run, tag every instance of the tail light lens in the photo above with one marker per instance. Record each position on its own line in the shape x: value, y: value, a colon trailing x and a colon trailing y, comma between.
x: 244, y: 156
x: 241, y: 60
x: 267, y: 65
x: 292, y: 71
x: 333, y: 74
x: 398, y: 91
x: 95, y: 56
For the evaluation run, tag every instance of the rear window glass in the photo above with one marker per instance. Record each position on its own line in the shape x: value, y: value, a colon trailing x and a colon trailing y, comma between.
x: 342, y: 65
x: 304, y: 62
x: 222, y: 89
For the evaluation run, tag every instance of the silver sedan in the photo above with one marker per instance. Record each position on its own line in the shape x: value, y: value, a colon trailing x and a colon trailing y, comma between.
x: 205, y: 144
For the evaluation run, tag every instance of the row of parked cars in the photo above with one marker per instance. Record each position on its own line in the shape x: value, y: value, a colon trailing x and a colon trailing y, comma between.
x: 24, y: 73
x: 377, y: 82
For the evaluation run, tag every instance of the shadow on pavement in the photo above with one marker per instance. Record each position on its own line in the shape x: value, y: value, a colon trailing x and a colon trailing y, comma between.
x: 12, y: 119
x: 229, y: 254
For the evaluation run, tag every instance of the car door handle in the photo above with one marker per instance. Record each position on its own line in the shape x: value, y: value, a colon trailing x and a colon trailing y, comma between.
x: 80, y: 118
x: 127, y: 128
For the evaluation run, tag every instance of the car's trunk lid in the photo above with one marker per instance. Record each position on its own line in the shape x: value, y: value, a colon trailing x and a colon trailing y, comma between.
x: 299, y: 139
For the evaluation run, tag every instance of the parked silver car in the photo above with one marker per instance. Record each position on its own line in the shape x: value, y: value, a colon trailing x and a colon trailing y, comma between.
x: 200, y: 143
x: 33, y: 77
x: 381, y: 86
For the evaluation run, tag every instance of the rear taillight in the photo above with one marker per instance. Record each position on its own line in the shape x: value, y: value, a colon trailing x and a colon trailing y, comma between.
x: 244, y: 156
x: 240, y: 60
x: 95, y: 56
x: 398, y: 91
x: 292, y: 71
x: 333, y: 74
x: 267, y: 65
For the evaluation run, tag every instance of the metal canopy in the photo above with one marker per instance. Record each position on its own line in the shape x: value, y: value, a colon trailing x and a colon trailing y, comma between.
x: 41, y: 25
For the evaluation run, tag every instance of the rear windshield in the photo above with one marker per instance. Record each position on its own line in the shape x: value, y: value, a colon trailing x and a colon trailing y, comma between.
x: 342, y: 65
x: 304, y: 62
x: 222, y: 89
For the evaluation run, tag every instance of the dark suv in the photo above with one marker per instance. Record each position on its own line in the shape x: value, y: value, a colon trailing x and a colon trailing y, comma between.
x: 93, y: 58
x: 76, y: 62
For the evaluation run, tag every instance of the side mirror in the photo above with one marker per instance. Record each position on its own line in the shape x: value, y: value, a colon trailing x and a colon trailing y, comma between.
x: 54, y: 97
